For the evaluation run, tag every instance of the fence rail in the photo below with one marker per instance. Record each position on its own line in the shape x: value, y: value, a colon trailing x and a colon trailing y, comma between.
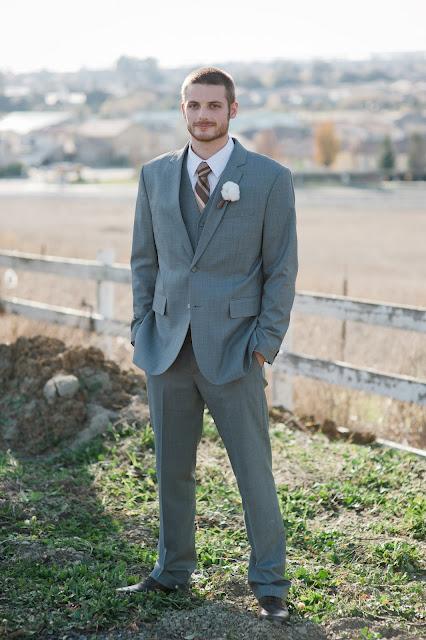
x: 287, y: 364
x: 67, y: 267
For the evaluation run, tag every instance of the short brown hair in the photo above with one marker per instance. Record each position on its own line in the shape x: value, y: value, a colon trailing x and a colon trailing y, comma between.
x: 210, y: 75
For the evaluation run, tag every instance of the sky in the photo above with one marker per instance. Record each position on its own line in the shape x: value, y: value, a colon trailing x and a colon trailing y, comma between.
x: 65, y: 36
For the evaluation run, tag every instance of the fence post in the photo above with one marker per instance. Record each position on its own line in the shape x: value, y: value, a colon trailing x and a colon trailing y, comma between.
x: 281, y: 384
x: 105, y: 294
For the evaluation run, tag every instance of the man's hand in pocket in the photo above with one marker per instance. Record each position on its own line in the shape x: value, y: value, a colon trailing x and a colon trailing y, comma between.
x: 260, y: 358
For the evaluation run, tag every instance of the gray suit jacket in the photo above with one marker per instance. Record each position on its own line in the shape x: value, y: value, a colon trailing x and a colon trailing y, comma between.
x: 236, y: 290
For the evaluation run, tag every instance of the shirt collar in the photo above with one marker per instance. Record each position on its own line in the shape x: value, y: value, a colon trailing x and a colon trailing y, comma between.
x: 216, y: 162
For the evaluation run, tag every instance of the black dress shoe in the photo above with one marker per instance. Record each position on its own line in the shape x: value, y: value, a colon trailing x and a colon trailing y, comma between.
x: 272, y: 608
x: 150, y: 584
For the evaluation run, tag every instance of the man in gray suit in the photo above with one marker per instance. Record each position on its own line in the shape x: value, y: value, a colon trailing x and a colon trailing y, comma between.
x: 214, y: 264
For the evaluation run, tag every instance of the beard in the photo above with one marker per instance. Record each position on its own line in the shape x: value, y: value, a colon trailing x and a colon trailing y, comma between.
x: 213, y: 133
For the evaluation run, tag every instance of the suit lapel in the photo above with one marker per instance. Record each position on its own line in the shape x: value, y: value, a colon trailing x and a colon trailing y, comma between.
x: 233, y: 172
x: 173, y: 180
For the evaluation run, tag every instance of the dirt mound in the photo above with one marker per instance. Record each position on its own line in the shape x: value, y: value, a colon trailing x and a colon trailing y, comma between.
x: 52, y: 395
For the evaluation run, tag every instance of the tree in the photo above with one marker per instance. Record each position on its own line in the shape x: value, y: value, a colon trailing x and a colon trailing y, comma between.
x: 266, y: 142
x: 387, y: 155
x: 417, y: 155
x: 327, y: 144
x: 95, y: 98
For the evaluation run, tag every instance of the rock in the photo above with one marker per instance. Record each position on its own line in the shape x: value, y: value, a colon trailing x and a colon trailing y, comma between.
x: 67, y: 385
x: 62, y: 384
x: 49, y: 390
x: 94, y: 380
x: 99, y: 421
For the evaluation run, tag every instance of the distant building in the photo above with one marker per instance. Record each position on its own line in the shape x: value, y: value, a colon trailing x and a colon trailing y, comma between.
x: 102, y: 142
x: 412, y: 123
x: 32, y: 137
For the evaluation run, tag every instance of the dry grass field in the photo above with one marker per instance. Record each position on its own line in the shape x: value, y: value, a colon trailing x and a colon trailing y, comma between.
x: 375, y: 235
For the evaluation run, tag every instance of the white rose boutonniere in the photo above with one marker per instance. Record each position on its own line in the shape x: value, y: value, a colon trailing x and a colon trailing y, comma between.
x: 230, y: 191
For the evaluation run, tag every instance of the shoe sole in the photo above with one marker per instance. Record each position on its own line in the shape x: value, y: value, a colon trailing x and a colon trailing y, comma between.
x: 168, y: 592
x: 277, y: 621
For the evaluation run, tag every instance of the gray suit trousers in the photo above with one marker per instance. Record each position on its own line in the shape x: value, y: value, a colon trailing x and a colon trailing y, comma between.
x: 239, y: 409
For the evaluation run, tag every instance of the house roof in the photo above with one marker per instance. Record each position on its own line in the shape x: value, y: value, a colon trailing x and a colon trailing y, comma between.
x: 102, y: 127
x: 23, y: 122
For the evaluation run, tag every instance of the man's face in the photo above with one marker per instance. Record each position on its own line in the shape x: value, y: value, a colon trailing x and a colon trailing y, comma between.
x: 206, y: 111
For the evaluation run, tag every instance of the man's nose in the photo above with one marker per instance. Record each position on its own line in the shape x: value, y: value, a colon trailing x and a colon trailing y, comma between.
x: 204, y: 115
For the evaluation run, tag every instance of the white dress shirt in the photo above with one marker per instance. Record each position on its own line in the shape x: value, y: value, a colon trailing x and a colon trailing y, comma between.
x: 217, y: 162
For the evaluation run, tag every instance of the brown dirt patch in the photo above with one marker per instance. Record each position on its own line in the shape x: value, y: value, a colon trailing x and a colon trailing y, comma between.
x: 29, y: 423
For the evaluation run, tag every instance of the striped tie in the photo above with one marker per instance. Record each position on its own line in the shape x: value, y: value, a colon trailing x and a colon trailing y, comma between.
x: 202, y: 188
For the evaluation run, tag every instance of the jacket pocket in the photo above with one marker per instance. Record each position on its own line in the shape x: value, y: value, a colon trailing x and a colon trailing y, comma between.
x: 240, y: 307
x: 159, y: 303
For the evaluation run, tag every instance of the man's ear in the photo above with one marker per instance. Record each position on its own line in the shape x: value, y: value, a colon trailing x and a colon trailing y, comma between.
x: 234, y: 109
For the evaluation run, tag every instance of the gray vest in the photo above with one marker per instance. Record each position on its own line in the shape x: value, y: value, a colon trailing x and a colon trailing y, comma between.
x: 193, y: 219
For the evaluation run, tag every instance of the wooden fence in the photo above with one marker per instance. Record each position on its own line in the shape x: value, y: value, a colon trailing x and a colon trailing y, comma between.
x: 287, y: 364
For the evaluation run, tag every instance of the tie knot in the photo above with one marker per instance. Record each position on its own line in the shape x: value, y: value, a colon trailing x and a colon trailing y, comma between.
x: 203, y: 169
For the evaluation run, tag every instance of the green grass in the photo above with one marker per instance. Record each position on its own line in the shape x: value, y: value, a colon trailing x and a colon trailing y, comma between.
x: 75, y: 528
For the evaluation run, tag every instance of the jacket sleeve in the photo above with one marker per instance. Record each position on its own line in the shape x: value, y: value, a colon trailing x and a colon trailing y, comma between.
x: 280, y: 266
x: 143, y: 260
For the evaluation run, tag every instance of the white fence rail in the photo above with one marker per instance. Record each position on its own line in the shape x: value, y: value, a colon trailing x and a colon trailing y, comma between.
x: 287, y: 364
